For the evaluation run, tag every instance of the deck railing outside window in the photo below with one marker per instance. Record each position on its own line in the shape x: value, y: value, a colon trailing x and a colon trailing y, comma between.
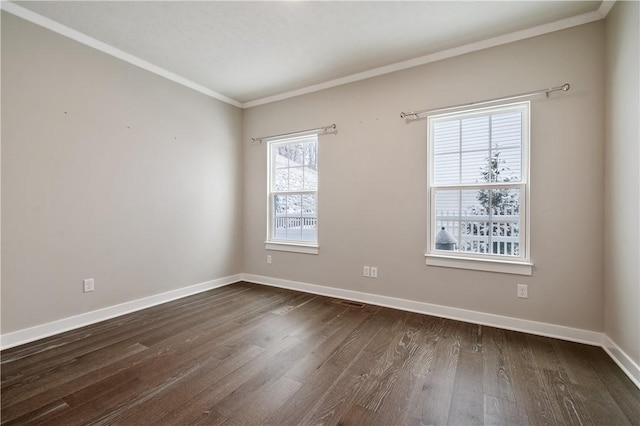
x: 302, y: 227
x: 498, y: 233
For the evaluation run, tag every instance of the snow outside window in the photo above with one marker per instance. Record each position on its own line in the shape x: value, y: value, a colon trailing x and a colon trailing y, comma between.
x: 477, y: 183
x: 293, y: 194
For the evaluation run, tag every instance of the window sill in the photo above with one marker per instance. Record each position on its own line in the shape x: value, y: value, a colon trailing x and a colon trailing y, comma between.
x: 489, y: 265
x: 291, y: 247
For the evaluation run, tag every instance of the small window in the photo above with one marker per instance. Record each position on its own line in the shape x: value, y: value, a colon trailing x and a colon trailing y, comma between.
x: 293, y: 194
x: 477, y: 183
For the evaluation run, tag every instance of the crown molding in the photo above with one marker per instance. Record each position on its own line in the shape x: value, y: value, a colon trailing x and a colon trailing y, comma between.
x: 562, y: 24
x: 56, y: 27
x: 550, y: 27
x: 605, y: 7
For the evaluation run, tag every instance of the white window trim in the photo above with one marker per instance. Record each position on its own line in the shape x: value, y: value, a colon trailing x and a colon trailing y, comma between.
x: 292, y: 246
x: 477, y: 264
x: 480, y: 262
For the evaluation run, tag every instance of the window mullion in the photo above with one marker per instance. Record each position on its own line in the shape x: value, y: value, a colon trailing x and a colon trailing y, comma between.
x: 459, y: 220
x: 492, y: 179
x: 478, y: 186
x: 460, y: 152
x: 300, y: 192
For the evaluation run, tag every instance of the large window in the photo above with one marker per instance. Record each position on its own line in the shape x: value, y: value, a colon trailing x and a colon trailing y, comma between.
x: 478, y: 176
x: 293, y: 194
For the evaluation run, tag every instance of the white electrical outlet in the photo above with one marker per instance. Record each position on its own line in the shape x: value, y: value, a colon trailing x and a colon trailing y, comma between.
x: 523, y: 291
x: 88, y: 285
x: 269, y: 259
x: 366, y: 271
x: 374, y: 272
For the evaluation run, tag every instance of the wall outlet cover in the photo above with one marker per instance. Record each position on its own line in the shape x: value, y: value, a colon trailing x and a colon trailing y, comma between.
x: 88, y: 285
x: 374, y: 272
x: 523, y: 291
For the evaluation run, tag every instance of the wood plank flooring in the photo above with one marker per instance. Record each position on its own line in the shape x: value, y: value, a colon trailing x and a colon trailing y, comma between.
x: 248, y: 354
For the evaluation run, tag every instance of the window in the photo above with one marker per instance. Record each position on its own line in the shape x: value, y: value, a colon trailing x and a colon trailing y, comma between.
x: 293, y: 194
x: 478, y: 194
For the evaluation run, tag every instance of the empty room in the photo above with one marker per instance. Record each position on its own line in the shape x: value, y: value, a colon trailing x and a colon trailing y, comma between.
x: 316, y: 212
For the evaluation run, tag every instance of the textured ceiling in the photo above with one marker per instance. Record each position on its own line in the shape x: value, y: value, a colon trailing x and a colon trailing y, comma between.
x: 252, y: 50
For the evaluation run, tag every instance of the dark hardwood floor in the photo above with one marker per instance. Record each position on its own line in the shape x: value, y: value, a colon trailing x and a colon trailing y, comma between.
x: 248, y: 354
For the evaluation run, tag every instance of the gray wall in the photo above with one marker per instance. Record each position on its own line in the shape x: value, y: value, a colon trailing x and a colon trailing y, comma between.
x: 110, y: 172
x: 372, y: 186
x: 622, y: 194
x: 114, y: 173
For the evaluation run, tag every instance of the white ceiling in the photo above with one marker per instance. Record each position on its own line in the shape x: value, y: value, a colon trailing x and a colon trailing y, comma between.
x: 253, y: 51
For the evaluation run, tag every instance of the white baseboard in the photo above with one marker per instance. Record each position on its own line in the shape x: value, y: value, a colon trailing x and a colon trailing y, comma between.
x: 628, y: 366
x: 509, y: 323
x: 624, y: 361
x: 31, y: 334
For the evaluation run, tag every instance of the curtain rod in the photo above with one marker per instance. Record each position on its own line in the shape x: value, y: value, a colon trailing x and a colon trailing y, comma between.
x: 565, y: 87
x: 319, y: 130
